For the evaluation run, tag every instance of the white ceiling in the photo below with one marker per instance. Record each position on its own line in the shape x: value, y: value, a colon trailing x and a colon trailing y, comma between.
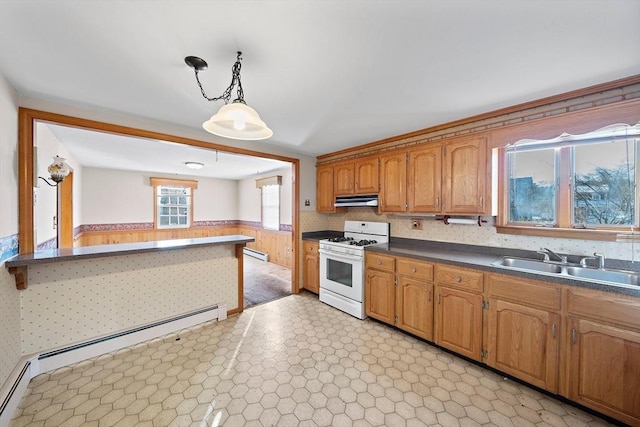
x: 105, y: 150
x: 324, y: 75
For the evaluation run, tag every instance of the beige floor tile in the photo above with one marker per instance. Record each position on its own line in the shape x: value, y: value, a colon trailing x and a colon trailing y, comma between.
x: 292, y: 362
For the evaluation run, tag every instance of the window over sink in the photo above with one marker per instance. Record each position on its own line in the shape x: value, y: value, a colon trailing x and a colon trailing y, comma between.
x: 587, y: 181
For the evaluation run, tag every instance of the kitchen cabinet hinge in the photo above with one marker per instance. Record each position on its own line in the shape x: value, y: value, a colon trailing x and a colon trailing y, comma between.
x: 485, y: 305
x: 407, y: 156
x: 395, y: 281
x: 395, y: 319
x: 484, y: 354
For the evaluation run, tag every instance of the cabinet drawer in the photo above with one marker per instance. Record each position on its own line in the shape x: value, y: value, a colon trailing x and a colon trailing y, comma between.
x: 381, y: 262
x: 525, y: 291
x: 310, y: 248
x: 604, y: 306
x: 459, y: 277
x: 414, y: 268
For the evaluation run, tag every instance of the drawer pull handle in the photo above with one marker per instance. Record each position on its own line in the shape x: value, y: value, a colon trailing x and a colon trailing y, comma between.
x: 573, y: 336
x: 458, y: 279
x: 553, y: 330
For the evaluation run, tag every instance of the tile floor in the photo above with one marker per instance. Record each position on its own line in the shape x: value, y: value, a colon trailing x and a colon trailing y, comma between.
x: 291, y: 362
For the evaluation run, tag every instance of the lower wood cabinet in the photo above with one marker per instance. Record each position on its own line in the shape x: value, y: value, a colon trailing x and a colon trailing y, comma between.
x: 458, y: 321
x: 311, y: 266
x: 581, y: 343
x: 458, y: 312
x: 523, y: 330
x: 603, y: 353
x: 414, y: 307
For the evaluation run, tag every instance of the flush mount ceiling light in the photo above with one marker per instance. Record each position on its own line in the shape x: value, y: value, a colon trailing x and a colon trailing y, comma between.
x: 236, y: 120
x: 194, y: 165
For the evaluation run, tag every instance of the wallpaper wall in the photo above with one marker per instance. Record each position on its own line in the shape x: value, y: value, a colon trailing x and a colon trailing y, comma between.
x: 77, y: 300
x: 9, y: 297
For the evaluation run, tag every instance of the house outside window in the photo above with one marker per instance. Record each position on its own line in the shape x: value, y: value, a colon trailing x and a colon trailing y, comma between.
x: 270, y: 189
x: 583, y: 181
x: 173, y: 202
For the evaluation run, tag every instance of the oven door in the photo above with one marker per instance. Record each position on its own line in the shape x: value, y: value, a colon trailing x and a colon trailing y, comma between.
x: 342, y: 274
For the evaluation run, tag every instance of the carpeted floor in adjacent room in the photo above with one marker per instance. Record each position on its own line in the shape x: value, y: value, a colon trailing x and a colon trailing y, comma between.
x: 264, y: 281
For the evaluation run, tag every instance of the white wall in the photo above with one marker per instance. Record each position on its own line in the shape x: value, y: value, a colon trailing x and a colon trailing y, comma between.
x: 111, y: 196
x: 49, y: 146
x: 10, y: 323
x: 250, y: 197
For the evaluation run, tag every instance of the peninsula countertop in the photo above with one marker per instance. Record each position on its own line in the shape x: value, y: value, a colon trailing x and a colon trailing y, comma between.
x: 101, y: 251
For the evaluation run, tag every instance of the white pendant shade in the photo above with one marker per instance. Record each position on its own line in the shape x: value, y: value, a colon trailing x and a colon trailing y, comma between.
x: 237, y: 121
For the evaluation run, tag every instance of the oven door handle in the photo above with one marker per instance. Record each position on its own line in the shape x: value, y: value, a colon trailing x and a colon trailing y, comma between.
x: 340, y: 255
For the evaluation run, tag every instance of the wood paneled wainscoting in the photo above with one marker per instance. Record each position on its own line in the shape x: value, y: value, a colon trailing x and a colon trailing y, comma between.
x: 278, y: 244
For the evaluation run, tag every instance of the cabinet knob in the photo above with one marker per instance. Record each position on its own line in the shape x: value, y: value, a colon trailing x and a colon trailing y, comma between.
x: 379, y: 262
x: 413, y: 270
x: 458, y: 279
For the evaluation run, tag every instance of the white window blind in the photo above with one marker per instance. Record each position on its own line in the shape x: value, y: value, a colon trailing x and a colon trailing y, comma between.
x: 271, y: 207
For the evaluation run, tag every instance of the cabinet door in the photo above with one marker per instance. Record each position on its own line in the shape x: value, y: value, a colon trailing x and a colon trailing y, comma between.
x: 424, y: 178
x: 414, y: 307
x: 604, y: 369
x: 393, y: 183
x: 325, y: 197
x: 465, y: 172
x: 458, y: 320
x: 366, y: 176
x: 379, y: 298
x: 523, y: 342
x: 343, y: 182
x: 311, y: 267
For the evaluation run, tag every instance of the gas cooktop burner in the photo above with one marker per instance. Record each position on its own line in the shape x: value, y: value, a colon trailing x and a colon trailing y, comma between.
x: 340, y: 239
x: 363, y: 242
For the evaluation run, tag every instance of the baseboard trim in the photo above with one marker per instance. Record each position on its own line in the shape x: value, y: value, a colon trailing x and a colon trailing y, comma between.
x: 36, y: 364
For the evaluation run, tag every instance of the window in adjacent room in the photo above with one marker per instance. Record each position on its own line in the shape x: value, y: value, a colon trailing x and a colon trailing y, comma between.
x: 270, y: 188
x: 173, y: 202
x: 585, y: 181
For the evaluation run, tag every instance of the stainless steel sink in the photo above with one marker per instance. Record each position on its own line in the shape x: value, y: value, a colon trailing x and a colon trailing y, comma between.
x: 616, y: 276
x: 529, y: 264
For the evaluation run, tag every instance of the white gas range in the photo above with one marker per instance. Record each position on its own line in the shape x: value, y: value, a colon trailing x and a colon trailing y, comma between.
x: 342, y: 265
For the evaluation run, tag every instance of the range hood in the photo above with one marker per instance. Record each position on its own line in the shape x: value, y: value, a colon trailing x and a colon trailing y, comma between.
x: 347, y: 201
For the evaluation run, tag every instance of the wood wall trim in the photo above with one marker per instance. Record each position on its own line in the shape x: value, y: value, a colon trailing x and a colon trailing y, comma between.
x: 372, y: 146
x: 187, y: 183
x: 27, y: 119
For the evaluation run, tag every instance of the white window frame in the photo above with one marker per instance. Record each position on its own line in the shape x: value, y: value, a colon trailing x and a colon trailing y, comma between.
x: 187, y: 186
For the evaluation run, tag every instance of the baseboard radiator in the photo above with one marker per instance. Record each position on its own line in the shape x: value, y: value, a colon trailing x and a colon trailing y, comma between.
x: 36, y: 364
x: 263, y: 256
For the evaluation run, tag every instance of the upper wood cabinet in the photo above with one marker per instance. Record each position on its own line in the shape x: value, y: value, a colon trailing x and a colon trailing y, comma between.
x: 325, y: 195
x: 440, y: 178
x: 356, y: 177
x: 424, y: 179
x: 465, y: 176
x: 393, y: 185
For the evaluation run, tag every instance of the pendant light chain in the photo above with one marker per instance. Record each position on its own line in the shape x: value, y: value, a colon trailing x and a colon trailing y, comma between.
x: 235, y: 80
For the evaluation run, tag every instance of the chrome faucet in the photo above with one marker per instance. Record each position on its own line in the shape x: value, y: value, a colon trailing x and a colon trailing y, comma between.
x: 599, y: 257
x: 546, y: 252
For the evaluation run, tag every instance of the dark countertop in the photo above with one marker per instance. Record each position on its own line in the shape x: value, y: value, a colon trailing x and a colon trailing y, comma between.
x: 101, y: 251
x: 483, y: 257
x: 320, y: 235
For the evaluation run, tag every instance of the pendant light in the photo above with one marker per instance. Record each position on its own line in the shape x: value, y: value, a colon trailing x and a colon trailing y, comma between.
x: 235, y: 120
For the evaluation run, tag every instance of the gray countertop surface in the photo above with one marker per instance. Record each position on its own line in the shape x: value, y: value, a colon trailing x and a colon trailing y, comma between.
x: 481, y: 257
x: 101, y: 251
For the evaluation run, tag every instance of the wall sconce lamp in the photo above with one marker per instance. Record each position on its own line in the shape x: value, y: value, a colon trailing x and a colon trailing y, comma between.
x: 236, y: 120
x: 58, y: 171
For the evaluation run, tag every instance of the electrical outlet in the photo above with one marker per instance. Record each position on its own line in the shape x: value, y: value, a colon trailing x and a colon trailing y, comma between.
x: 416, y: 224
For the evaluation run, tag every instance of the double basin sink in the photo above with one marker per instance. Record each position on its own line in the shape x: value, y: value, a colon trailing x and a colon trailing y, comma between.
x: 609, y: 276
